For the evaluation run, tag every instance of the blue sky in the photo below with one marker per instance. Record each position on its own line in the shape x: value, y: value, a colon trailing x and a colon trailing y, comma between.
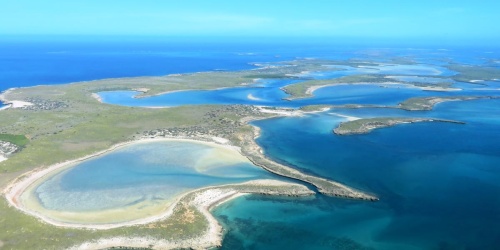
x: 328, y: 18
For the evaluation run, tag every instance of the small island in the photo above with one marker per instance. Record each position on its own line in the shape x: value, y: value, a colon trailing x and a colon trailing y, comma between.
x: 428, y: 103
x: 366, y: 125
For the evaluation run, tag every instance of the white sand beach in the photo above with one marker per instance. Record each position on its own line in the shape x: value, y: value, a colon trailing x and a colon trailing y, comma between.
x: 15, y: 190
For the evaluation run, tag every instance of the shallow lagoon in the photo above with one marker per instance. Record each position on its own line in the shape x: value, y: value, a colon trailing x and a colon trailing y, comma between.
x: 438, y: 182
x: 270, y: 93
x: 443, y: 197
x: 271, y: 96
x: 136, y: 181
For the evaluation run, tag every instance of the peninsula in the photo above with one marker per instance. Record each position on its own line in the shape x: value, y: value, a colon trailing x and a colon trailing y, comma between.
x: 45, y: 128
x: 66, y: 123
x: 366, y: 125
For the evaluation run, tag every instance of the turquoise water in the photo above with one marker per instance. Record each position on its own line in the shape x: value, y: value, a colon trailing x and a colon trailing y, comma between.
x: 271, y: 96
x: 432, y: 80
x: 149, y: 173
x: 270, y: 93
x: 438, y: 183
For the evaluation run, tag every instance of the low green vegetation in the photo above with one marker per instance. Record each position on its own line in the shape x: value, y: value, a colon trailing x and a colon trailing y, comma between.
x: 366, y: 125
x: 80, y: 125
x: 300, y: 90
x: 428, y: 103
x: 468, y: 73
x: 268, y: 76
x: 21, y: 231
x: 314, y: 108
x: 18, y: 140
x: 305, y: 89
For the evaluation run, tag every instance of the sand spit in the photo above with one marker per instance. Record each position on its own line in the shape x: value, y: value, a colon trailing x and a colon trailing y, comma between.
x: 255, y: 154
x: 328, y: 187
x: 310, y: 91
x: 204, y: 200
x: 97, y: 97
x: 201, y: 199
x: 366, y: 125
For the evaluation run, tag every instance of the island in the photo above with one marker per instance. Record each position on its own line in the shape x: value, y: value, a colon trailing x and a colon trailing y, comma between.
x: 474, y: 74
x: 428, y: 103
x: 366, y: 125
x: 306, y: 89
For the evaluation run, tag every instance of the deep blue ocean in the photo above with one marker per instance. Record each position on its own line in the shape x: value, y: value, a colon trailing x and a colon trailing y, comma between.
x: 438, y: 183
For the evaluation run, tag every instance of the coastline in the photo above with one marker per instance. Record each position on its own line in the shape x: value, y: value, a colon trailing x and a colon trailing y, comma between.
x: 4, y: 100
x: 142, y: 92
x: 367, y: 125
x: 11, y: 103
x: 21, y: 183
x: 311, y: 89
x: 327, y: 187
x: 97, y: 97
x: 203, y: 199
x: 17, y: 187
x: 347, y: 117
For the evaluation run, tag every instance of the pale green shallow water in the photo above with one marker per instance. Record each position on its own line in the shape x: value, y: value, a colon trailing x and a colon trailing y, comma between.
x: 136, y: 181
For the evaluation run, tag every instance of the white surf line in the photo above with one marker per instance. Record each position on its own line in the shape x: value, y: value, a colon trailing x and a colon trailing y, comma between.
x: 2, y: 158
x: 7, y: 106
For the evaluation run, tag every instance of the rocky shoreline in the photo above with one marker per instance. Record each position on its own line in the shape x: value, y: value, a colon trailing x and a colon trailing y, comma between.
x: 366, y: 125
x: 428, y: 103
x: 328, y: 187
x: 249, y: 148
